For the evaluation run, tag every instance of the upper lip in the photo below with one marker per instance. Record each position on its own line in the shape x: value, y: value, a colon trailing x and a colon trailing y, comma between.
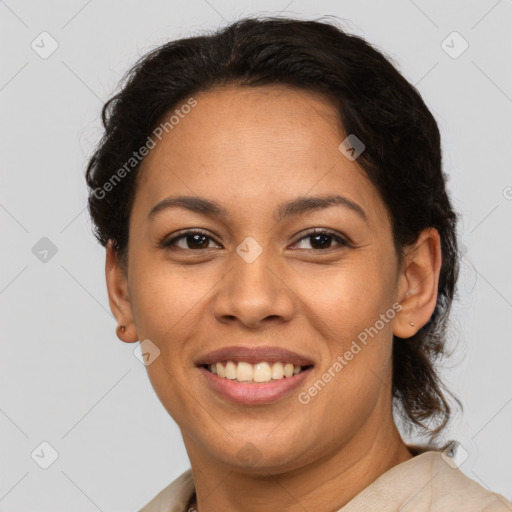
x: 254, y: 355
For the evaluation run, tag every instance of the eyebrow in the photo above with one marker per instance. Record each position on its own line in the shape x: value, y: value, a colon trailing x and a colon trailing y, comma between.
x: 295, y: 207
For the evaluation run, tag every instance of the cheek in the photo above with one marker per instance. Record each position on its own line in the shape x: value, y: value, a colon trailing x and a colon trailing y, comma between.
x: 163, y: 299
x: 350, y: 296
x: 352, y: 309
x: 166, y: 307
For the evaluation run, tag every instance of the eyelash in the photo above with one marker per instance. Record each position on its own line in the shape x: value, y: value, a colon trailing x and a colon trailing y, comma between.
x: 332, y: 234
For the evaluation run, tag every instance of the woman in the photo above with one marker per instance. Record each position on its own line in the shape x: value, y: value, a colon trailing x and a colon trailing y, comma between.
x: 279, y: 238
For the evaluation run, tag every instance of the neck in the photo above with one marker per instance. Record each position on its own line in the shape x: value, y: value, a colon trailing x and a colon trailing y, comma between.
x: 328, y: 483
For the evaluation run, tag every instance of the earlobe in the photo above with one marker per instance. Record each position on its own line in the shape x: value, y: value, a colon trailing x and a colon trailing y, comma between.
x: 118, y: 296
x: 125, y: 334
x: 419, y: 283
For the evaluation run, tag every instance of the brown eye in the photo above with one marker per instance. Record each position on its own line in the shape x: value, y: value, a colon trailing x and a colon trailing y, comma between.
x: 321, y: 240
x: 193, y: 240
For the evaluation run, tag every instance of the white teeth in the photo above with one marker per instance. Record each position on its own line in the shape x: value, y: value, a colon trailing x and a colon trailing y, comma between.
x: 277, y: 371
x: 230, y: 370
x: 221, y: 371
x: 243, y: 371
x: 288, y: 370
x: 260, y: 372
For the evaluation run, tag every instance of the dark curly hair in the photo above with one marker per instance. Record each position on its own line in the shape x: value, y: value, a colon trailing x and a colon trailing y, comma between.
x: 402, y: 156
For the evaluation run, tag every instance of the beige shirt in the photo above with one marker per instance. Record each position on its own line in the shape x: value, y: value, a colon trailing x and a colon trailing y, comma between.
x: 427, y: 482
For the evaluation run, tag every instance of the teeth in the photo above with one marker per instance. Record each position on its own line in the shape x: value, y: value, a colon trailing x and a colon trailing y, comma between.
x: 288, y: 370
x: 221, y: 371
x: 260, y: 372
x: 230, y: 370
x: 243, y: 371
x: 277, y: 371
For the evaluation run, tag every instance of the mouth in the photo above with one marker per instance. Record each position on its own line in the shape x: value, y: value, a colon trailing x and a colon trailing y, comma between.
x: 254, y: 375
x: 243, y: 371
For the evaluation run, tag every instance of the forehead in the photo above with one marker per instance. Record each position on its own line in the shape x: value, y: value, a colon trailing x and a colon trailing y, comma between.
x: 255, y: 146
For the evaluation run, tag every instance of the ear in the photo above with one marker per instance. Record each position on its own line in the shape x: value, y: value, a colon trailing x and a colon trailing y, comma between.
x: 119, y: 296
x: 418, y: 283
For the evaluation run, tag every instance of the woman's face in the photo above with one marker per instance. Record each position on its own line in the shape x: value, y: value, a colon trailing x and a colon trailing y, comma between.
x: 257, y: 278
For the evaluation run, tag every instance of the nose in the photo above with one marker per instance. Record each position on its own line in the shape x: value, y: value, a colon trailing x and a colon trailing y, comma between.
x: 254, y: 293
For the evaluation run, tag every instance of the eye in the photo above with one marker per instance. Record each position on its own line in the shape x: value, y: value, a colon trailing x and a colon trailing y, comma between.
x: 192, y: 240
x: 322, y: 239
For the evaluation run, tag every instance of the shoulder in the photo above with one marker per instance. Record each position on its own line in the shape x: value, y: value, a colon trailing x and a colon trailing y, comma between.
x: 429, y: 482
x: 174, y: 497
x: 451, y: 487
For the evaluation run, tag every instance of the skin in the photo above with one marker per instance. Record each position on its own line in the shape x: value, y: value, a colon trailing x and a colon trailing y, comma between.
x: 250, y: 149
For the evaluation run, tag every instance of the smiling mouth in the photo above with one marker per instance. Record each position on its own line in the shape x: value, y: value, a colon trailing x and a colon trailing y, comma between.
x: 247, y: 373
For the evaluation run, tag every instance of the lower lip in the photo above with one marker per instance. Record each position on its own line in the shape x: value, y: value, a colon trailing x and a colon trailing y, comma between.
x: 254, y: 393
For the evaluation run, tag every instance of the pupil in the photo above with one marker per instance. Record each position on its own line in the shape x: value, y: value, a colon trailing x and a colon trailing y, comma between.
x: 195, y: 238
x: 322, y: 237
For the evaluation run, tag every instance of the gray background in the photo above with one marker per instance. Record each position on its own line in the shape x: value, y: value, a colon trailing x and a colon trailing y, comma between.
x: 66, y: 379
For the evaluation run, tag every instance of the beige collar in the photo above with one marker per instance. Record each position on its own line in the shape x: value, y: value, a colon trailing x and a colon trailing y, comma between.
x: 427, y: 482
